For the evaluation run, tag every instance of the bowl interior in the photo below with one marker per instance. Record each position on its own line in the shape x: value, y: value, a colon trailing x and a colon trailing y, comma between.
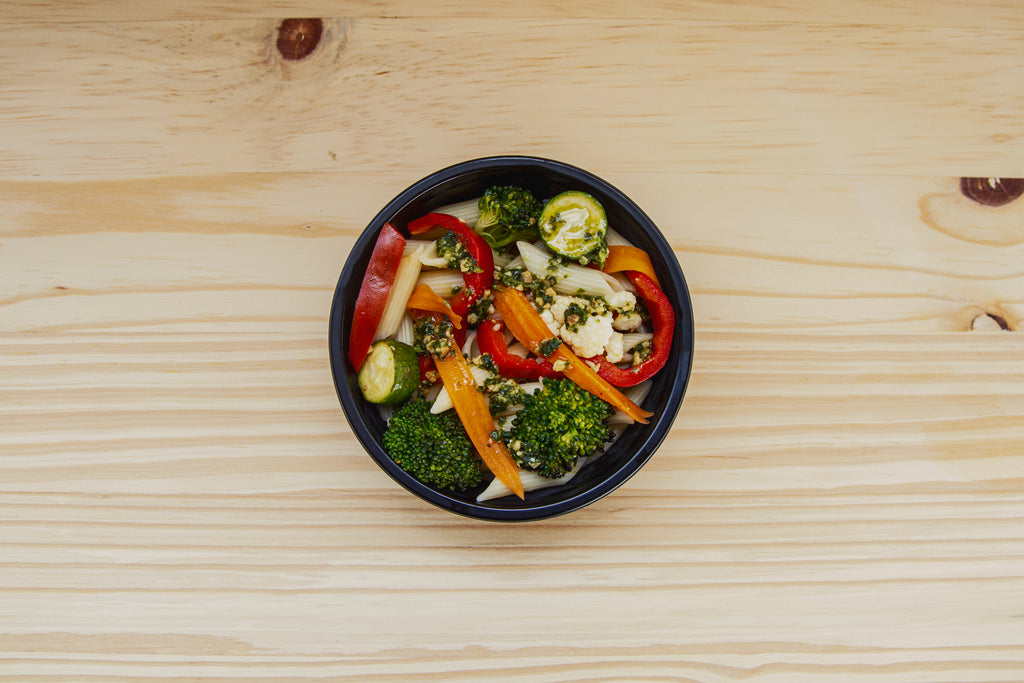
x: 545, y: 178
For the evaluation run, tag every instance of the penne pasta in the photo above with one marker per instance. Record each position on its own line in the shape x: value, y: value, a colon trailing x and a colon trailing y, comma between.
x: 570, y: 278
x: 444, y: 402
x: 405, y: 282
x: 631, y: 339
x: 405, y: 332
x: 617, y: 284
x: 530, y: 387
x: 613, y: 238
x: 386, y: 412
x: 518, y: 349
x: 429, y: 257
x: 516, y: 262
x: 531, y: 482
x: 636, y: 394
x: 617, y: 430
x: 412, y: 245
x: 624, y: 283
x: 469, y: 348
x: 585, y: 280
x: 468, y: 211
x: 444, y: 282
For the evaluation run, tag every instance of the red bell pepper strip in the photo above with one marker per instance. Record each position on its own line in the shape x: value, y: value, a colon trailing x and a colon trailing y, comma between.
x: 426, y: 365
x: 663, y: 319
x: 475, y: 284
x: 373, y: 292
x: 491, y: 339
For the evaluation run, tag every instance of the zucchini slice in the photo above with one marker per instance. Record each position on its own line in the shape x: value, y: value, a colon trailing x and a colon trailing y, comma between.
x: 390, y: 372
x: 573, y: 224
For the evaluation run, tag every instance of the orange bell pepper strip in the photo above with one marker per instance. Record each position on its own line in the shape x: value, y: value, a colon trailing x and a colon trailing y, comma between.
x: 530, y: 329
x: 471, y: 407
x: 423, y: 298
x: 622, y: 257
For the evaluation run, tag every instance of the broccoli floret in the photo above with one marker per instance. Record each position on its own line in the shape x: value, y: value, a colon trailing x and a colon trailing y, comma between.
x: 508, y: 213
x: 432, y: 448
x: 557, y: 425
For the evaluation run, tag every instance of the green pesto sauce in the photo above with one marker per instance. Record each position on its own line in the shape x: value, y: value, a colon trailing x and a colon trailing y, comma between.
x: 455, y: 254
x: 434, y: 337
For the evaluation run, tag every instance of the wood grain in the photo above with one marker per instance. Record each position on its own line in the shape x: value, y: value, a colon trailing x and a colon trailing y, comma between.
x: 939, y: 13
x: 139, y: 98
x: 839, y: 499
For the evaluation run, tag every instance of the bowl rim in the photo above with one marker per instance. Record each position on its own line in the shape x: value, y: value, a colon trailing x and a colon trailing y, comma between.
x: 644, y: 450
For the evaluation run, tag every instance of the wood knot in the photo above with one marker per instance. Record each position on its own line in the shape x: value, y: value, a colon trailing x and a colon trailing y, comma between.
x: 977, y: 210
x: 990, y: 316
x: 298, y: 38
x: 992, y: 191
x: 989, y: 322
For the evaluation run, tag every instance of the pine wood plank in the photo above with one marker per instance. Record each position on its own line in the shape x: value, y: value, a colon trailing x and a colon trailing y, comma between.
x: 948, y: 13
x: 181, y: 497
x: 134, y: 99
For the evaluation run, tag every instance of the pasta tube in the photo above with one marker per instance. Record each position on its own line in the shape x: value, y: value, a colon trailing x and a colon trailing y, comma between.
x: 405, y: 282
x: 570, y: 278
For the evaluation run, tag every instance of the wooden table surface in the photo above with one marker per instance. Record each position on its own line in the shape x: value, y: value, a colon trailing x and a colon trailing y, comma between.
x: 841, y: 496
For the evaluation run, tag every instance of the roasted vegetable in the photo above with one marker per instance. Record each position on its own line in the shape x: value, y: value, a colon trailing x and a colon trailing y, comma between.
x: 557, y: 425
x: 649, y: 363
x: 479, y: 278
x: 507, y: 214
x: 491, y: 340
x: 529, y: 328
x: 373, y: 292
x: 432, y: 448
x: 390, y: 372
x: 573, y: 224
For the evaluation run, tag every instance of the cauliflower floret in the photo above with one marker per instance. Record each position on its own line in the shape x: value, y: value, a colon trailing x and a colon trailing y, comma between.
x: 561, y: 303
x: 549, y: 319
x: 590, y: 335
x: 623, y: 304
x: 613, y: 350
x: 586, y: 325
x: 619, y: 301
x: 627, y: 322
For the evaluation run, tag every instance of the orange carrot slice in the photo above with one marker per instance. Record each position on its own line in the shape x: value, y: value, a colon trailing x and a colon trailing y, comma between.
x: 626, y: 257
x: 530, y: 329
x: 471, y: 407
x: 423, y: 298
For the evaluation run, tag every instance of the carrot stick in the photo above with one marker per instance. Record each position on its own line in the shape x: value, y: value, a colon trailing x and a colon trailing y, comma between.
x: 471, y: 407
x: 530, y: 329
x: 423, y: 298
x: 627, y: 257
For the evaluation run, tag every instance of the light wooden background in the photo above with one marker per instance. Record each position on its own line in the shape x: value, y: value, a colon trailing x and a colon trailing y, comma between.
x: 841, y: 497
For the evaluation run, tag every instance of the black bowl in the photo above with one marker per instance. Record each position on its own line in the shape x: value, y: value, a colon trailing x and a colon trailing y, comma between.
x: 545, y: 178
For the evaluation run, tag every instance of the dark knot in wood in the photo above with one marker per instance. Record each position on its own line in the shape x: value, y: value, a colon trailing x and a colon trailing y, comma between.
x: 992, y: 191
x: 297, y: 38
x: 989, y: 322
